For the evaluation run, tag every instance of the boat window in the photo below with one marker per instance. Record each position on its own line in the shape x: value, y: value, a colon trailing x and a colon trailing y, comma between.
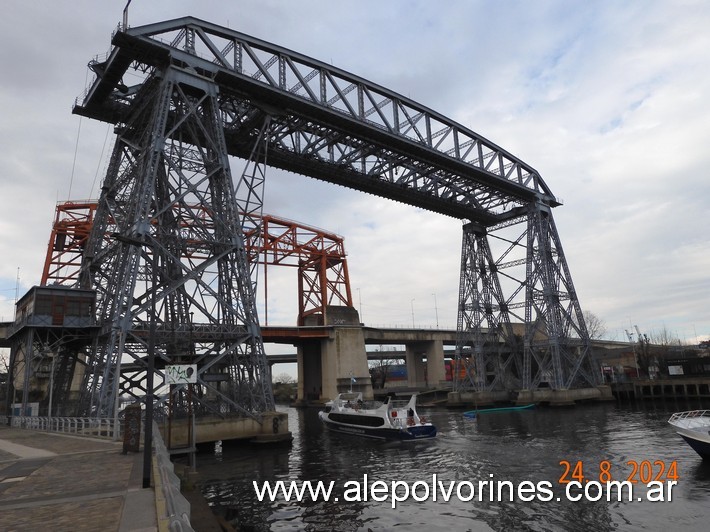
x: 354, y: 419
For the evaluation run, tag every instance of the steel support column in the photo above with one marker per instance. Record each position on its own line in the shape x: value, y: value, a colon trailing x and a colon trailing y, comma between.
x: 486, y: 344
x: 557, y: 346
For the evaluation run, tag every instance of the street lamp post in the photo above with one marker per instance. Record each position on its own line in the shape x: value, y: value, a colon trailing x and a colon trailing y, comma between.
x: 436, y: 311
x: 412, y: 303
x: 359, y: 297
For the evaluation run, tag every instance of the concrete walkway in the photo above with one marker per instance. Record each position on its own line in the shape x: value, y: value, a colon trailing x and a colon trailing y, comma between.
x: 61, y: 482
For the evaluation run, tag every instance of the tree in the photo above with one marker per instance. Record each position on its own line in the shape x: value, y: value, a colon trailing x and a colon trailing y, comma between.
x: 284, y: 378
x: 664, y: 338
x: 664, y: 342
x: 284, y: 388
x: 380, y: 369
x: 595, y: 325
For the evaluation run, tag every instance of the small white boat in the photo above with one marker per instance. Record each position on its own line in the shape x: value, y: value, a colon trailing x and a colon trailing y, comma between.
x: 694, y: 427
x: 389, y: 420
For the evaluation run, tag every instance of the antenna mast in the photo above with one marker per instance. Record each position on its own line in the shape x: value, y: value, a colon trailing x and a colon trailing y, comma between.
x: 125, y: 15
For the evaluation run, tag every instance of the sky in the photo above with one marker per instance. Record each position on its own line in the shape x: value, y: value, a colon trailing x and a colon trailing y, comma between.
x: 605, y: 99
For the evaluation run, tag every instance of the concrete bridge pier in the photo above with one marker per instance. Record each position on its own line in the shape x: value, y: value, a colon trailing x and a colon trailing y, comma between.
x: 310, y: 374
x: 336, y: 364
x: 419, y: 373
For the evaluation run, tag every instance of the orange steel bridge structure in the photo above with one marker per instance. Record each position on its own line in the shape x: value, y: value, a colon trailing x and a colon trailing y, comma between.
x: 319, y: 256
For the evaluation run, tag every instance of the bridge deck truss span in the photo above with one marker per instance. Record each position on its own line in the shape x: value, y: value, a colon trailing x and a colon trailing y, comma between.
x: 325, y: 122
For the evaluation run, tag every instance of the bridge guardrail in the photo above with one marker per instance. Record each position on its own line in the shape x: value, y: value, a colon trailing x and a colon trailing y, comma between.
x: 85, y: 426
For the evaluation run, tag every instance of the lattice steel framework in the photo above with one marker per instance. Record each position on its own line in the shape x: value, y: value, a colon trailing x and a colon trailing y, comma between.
x: 169, y: 202
x: 70, y: 233
x: 319, y: 255
x: 520, y: 322
x: 49, y: 336
x: 486, y: 345
x: 45, y: 360
x: 557, y: 348
x: 317, y: 120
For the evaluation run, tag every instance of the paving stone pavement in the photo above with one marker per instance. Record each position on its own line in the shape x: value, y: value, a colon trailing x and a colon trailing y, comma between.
x: 71, y: 483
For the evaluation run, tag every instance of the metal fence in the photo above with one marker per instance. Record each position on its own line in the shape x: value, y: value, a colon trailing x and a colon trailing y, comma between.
x: 84, y: 426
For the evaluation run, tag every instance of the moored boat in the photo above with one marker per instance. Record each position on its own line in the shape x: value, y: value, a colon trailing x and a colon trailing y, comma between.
x: 694, y: 427
x: 388, y: 420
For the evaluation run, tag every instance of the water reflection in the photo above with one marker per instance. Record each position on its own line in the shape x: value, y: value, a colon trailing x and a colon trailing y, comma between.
x: 507, y: 446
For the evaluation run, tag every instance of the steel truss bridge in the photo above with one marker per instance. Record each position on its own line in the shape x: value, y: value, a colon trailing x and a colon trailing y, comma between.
x: 173, y: 278
x: 319, y: 256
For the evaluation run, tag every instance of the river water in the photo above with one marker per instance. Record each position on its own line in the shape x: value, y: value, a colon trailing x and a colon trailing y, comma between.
x: 535, y: 450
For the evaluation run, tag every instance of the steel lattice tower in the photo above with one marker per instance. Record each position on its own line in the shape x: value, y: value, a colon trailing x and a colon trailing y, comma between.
x: 551, y: 346
x: 176, y: 257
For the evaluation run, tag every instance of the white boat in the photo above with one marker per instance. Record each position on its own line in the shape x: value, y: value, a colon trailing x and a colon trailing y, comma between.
x: 694, y: 427
x: 389, y: 420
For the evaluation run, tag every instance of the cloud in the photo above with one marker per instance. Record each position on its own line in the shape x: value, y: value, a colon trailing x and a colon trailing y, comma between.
x: 604, y: 99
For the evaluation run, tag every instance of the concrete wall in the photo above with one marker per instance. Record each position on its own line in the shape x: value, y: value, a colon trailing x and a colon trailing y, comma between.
x: 343, y: 359
x: 310, y: 372
x: 429, y: 374
x: 273, y: 428
x: 524, y: 397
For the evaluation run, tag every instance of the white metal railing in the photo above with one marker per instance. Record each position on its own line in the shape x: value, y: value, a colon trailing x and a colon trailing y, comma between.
x: 84, y: 426
x: 691, y: 419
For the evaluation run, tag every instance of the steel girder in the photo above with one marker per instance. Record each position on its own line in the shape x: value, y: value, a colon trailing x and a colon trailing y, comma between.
x: 169, y: 203
x: 329, y: 124
x: 320, y: 257
x: 42, y: 364
x: 70, y: 233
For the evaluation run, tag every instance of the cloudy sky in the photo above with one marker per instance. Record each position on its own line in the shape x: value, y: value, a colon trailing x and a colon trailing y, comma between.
x: 606, y: 99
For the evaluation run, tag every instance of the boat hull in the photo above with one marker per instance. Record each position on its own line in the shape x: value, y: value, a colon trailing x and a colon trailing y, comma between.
x: 697, y: 438
x: 699, y: 446
x: 417, y: 432
x: 694, y: 428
